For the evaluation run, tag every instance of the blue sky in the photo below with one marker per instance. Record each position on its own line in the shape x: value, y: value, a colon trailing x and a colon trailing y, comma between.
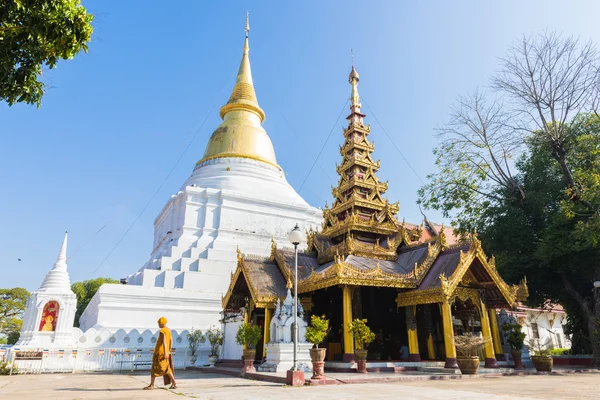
x: 116, y: 120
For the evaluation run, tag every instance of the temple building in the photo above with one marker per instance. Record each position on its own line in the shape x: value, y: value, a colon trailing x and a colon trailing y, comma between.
x: 416, y: 286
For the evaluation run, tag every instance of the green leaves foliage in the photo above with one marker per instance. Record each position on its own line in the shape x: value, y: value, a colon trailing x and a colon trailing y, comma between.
x: 515, y: 337
x: 317, y: 330
x: 34, y: 34
x: 12, y: 305
x: 215, y: 337
x: 195, y: 339
x: 361, y: 333
x: 248, y: 335
x: 85, y: 291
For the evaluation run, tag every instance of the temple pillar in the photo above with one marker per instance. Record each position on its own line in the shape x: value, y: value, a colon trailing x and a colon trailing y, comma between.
x: 496, y: 335
x: 346, y: 319
x: 413, y: 339
x: 490, y: 357
x: 267, y: 330
x: 430, y: 347
x: 449, y: 345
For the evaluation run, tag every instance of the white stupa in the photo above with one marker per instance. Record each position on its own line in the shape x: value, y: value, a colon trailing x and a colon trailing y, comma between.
x: 236, y: 197
x: 50, y: 312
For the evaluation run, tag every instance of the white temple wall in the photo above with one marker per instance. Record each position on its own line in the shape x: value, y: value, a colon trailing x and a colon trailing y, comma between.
x: 135, y: 307
x: 549, y: 328
x: 232, y: 350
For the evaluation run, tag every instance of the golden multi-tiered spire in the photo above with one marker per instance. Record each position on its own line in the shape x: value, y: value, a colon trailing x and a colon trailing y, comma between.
x: 360, y: 217
x: 241, y: 133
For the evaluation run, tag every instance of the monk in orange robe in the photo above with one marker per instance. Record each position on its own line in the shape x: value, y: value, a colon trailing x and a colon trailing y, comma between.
x: 162, y: 362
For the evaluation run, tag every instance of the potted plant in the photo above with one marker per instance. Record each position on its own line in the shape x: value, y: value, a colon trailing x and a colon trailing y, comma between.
x: 315, y: 334
x: 515, y: 339
x: 362, y: 335
x: 215, y: 337
x: 467, y: 347
x: 248, y: 335
x: 195, y: 339
x: 541, y: 358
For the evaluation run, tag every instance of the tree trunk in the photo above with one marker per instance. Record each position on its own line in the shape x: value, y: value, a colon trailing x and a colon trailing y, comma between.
x: 590, y: 312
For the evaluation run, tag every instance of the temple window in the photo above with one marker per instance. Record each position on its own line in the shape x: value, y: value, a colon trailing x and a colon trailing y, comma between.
x: 534, y: 329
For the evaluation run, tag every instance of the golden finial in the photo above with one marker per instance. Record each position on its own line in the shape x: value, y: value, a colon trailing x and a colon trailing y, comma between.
x: 243, y: 96
x: 247, y: 23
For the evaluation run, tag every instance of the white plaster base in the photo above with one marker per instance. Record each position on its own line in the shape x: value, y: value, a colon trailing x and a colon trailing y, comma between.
x: 227, y: 203
x: 280, y: 357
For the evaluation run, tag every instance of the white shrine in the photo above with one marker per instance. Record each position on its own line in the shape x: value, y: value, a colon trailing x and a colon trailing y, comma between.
x: 280, y: 350
x: 50, y: 312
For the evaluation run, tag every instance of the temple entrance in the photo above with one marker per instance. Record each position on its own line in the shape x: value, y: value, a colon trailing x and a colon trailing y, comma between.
x: 386, y: 320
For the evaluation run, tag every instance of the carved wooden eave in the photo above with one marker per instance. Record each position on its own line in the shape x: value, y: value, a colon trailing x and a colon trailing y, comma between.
x: 240, y: 272
x: 449, y: 286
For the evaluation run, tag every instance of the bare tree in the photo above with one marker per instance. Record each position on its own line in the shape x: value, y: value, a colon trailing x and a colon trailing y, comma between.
x: 478, y: 137
x: 549, y: 80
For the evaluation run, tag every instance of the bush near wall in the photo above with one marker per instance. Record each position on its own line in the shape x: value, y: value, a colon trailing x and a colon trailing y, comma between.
x: 560, y: 352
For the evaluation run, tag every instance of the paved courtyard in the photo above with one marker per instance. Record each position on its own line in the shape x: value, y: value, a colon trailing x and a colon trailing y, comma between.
x: 210, y: 386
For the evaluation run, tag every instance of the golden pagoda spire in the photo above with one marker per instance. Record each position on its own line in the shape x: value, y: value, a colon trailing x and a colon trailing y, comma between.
x: 241, y: 134
x: 243, y: 96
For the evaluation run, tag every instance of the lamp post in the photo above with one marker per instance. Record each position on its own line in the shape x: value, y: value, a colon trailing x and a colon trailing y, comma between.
x: 295, y: 237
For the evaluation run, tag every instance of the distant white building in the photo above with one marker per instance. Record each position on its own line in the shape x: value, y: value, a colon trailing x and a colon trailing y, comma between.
x: 545, y: 324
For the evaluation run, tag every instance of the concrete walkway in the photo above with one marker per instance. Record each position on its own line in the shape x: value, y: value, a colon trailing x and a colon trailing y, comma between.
x: 193, y: 384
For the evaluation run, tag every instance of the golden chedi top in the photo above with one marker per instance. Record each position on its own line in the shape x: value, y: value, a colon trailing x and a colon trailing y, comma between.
x: 241, y: 133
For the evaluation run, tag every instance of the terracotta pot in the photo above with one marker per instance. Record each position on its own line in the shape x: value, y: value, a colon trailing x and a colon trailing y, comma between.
x: 249, y: 355
x: 361, y: 354
x: 317, y: 354
x: 361, y: 361
x: 212, y: 360
x: 317, y: 357
x: 542, y: 363
x: 468, y: 365
x: 517, y: 358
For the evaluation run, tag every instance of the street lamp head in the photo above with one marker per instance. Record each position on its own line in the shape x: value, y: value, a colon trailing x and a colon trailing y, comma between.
x: 597, y: 284
x: 295, y: 236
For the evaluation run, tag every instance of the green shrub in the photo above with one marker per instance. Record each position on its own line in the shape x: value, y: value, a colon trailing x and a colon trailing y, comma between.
x: 514, y: 336
x: 560, y: 352
x: 5, y: 368
x: 318, y: 330
x: 248, y: 335
x: 195, y: 339
x: 361, y: 332
x: 215, y: 338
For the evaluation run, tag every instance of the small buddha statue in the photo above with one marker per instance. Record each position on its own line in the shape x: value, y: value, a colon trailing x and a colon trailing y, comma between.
x: 48, y: 327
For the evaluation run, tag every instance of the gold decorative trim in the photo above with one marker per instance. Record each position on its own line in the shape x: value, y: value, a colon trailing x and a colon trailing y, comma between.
x: 342, y: 273
x: 449, y: 285
x: 241, y: 106
x: 235, y: 155
x: 257, y: 300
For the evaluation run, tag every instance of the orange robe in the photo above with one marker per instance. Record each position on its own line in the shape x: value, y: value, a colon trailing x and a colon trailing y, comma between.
x: 160, y: 364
